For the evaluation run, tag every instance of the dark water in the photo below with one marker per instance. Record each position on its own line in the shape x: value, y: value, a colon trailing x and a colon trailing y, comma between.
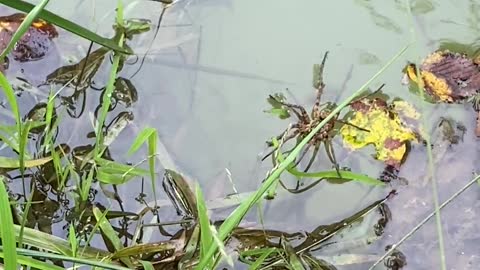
x: 204, y: 84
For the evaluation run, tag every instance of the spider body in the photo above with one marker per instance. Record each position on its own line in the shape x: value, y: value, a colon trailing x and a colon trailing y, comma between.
x: 307, y: 122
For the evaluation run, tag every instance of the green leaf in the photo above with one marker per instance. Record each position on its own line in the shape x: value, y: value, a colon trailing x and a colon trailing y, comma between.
x: 106, y: 101
x: 34, y: 264
x: 12, y: 100
x: 140, y: 139
x: 73, y: 239
x: 7, y: 231
x: 278, y: 108
x: 344, y: 175
x: 206, y: 237
x: 110, y: 233
x: 119, y: 168
x: 265, y: 253
x: 147, y: 265
x: 14, y: 163
x: 292, y: 257
x: 67, y: 25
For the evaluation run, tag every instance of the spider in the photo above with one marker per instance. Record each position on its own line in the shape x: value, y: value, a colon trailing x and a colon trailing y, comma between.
x: 306, y: 123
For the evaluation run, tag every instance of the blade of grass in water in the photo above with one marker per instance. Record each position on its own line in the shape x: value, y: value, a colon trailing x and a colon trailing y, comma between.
x: 151, y: 136
x: 140, y: 139
x: 67, y: 25
x: 34, y: 264
x: 328, y: 174
x: 12, y: 100
x: 90, y: 262
x: 261, y: 259
x: 24, y: 26
x: 110, y: 233
x: 206, y: 237
x: 234, y: 219
x: 431, y: 167
x: 14, y: 163
x: 7, y: 231
x: 152, y: 150
x: 72, y: 238
x: 106, y: 101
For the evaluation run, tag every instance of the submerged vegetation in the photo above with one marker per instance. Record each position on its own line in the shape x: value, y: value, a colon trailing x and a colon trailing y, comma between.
x: 53, y: 194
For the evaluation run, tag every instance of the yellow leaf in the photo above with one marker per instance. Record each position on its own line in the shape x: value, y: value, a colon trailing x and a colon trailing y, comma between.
x: 386, y: 131
x: 13, y: 163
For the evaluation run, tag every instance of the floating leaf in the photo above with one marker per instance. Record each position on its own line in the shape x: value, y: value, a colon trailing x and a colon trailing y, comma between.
x: 34, y: 44
x: 278, y: 108
x: 67, y: 25
x: 381, y: 127
x: 14, y: 163
x: 447, y: 76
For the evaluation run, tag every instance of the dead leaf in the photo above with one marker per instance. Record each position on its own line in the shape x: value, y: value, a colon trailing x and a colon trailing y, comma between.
x: 386, y: 131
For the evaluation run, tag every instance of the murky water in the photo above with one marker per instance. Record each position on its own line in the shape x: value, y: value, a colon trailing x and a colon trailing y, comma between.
x: 208, y: 73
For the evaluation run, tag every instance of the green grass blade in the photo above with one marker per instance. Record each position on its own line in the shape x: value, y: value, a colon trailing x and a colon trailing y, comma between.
x: 7, y: 231
x: 219, y: 243
x: 152, y: 150
x: 106, y: 103
x: 90, y: 262
x: 147, y: 265
x: 261, y: 259
x: 234, y: 219
x: 292, y: 257
x: 72, y: 238
x: 431, y: 169
x: 24, y: 26
x: 14, y: 163
x: 110, y: 233
x: 206, y: 237
x: 348, y: 175
x: 67, y: 25
x: 12, y: 100
x: 35, y: 264
x: 140, y: 139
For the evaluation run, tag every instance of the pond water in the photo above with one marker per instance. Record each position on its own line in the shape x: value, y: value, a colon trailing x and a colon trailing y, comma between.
x: 204, y: 85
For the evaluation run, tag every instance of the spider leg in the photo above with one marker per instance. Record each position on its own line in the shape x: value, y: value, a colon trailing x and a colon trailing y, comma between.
x: 312, y: 159
x: 301, y: 114
x: 319, y: 85
x: 291, y: 136
x: 297, y: 189
x: 367, y: 95
x: 279, y: 137
x: 304, y: 152
x: 331, y: 156
x: 350, y: 124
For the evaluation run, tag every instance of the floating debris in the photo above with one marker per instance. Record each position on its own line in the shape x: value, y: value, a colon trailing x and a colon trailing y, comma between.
x: 375, y: 123
x: 36, y: 42
x: 447, y: 76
